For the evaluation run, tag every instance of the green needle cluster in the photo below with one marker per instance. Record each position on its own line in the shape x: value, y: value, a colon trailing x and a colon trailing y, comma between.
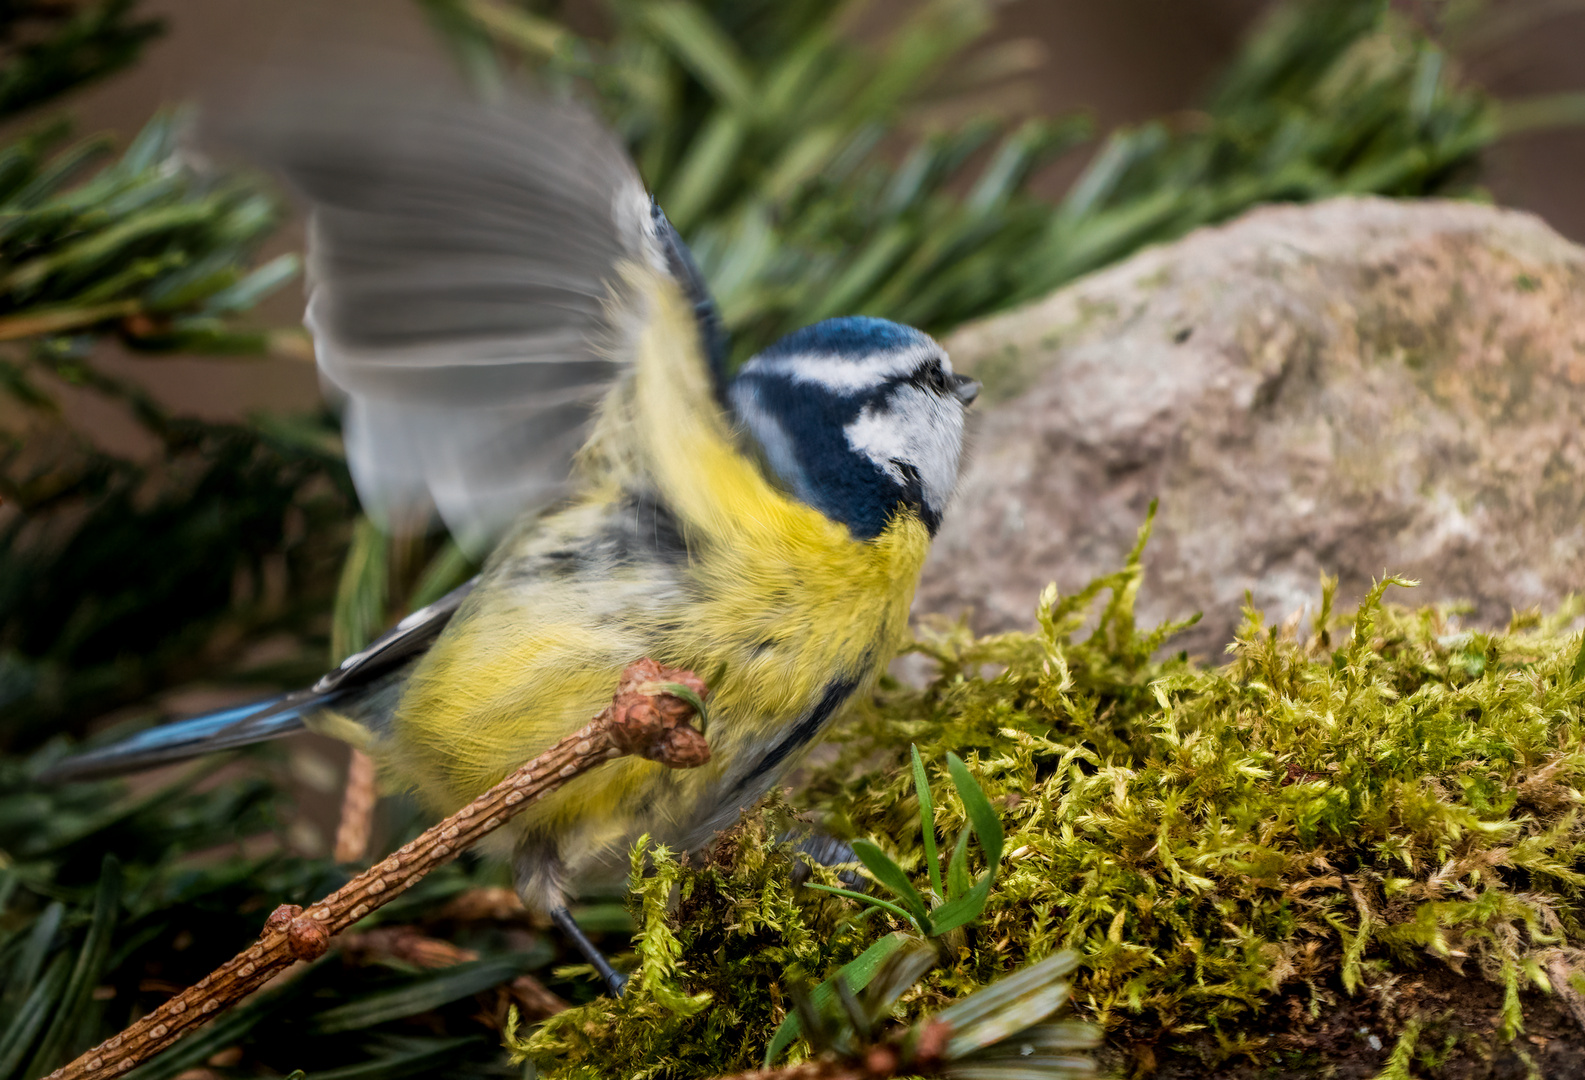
x: 790, y: 151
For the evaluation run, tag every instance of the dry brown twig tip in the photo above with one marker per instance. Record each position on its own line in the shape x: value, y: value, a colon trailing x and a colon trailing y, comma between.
x: 644, y: 718
x: 649, y: 721
x: 884, y: 1060
x: 357, y: 809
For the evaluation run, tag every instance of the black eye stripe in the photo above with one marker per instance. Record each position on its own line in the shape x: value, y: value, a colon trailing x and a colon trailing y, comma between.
x: 927, y: 376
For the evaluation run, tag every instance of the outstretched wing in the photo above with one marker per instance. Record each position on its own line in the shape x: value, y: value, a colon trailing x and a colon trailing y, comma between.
x: 463, y: 267
x: 462, y: 262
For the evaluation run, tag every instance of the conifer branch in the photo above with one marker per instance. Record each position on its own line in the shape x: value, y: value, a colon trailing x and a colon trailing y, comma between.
x: 644, y: 718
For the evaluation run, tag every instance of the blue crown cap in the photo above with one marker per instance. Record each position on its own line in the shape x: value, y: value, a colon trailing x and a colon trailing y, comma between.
x: 851, y: 335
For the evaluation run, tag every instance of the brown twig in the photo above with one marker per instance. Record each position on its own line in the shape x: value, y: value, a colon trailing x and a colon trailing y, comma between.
x: 534, y: 1000
x: 60, y: 319
x: 819, y: 1069
x: 357, y: 809
x: 642, y: 719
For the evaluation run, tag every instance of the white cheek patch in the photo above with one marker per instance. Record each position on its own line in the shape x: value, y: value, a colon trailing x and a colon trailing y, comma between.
x: 912, y: 427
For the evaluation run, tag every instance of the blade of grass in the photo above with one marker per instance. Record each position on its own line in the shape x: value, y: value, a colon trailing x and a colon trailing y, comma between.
x: 24, y: 975
x: 987, y: 825
x: 706, y: 166
x: 884, y: 905
x: 425, y: 993
x: 965, y: 909
x: 1058, y: 1035
x: 958, y: 881
x: 362, y: 593
x: 1009, y: 1005
x: 857, y: 973
x: 85, y: 973
x: 927, y: 821
x: 31, y: 1017
x: 697, y: 40
x: 448, y: 568
x: 418, y: 1062
x: 889, y: 874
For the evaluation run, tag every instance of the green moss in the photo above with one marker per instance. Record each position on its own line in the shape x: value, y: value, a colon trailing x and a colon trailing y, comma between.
x: 718, y: 940
x: 1319, y: 812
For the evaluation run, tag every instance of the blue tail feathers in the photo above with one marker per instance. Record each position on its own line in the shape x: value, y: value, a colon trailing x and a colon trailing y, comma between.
x: 226, y: 729
x: 374, y: 674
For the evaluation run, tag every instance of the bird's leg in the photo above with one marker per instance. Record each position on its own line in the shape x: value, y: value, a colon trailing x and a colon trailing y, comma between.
x: 539, y: 874
x: 615, y: 982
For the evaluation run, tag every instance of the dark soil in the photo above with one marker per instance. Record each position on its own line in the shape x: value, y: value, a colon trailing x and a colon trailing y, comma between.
x: 1352, y: 1038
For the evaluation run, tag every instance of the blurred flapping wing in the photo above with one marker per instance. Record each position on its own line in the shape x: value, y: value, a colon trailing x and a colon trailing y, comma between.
x: 464, y: 273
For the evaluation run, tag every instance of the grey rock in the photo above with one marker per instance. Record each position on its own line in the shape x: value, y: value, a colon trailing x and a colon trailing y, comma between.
x: 1355, y: 387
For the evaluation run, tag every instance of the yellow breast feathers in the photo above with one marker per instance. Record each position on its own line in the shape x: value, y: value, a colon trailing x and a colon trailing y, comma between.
x: 771, y: 602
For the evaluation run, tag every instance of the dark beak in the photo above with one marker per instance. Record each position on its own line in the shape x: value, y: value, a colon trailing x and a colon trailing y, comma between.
x: 965, y: 389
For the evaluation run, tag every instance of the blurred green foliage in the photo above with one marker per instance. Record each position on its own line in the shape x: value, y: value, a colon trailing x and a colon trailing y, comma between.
x: 48, y: 47
x: 116, y: 572
x: 815, y: 172
x: 1327, y: 99
x: 153, y: 244
x: 897, y: 174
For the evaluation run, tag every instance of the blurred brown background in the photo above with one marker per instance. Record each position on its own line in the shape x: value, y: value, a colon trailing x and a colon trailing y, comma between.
x: 1124, y: 60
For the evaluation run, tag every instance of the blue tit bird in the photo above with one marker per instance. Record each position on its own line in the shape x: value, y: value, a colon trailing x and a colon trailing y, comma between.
x: 527, y: 350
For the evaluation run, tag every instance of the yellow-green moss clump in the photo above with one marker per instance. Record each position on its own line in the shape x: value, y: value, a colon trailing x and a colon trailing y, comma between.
x: 1314, y: 819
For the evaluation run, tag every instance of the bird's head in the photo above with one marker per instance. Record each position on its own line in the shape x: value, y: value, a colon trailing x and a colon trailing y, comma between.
x: 858, y: 417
